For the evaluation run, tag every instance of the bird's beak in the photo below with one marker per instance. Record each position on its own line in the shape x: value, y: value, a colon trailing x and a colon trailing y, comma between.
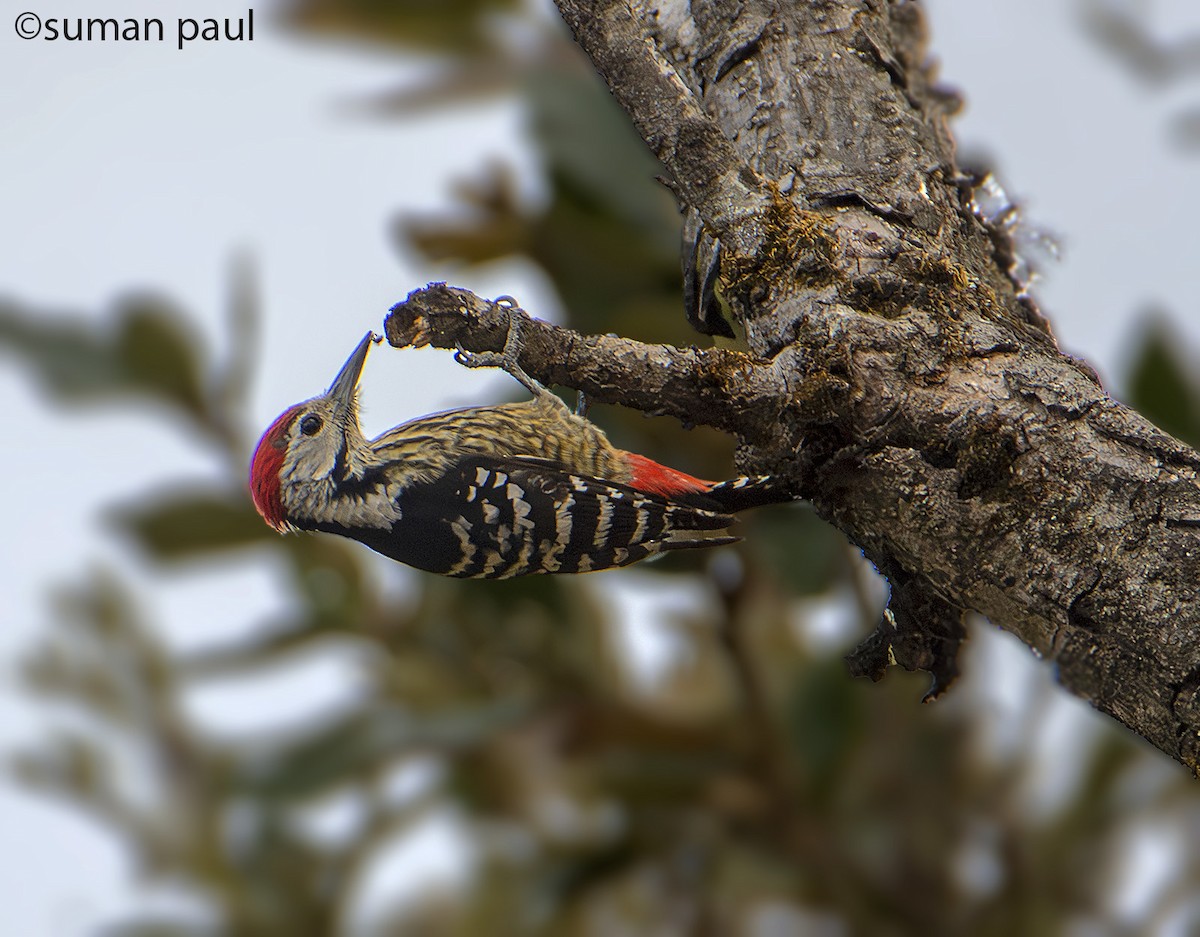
x: 342, y: 390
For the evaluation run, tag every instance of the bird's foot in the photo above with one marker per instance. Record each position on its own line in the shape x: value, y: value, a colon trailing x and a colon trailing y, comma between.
x: 508, y: 358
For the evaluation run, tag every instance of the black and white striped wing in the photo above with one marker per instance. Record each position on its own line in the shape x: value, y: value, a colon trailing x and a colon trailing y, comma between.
x: 497, y: 518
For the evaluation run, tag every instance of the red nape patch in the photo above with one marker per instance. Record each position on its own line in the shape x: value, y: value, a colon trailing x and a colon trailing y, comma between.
x: 264, y: 470
x: 655, y: 479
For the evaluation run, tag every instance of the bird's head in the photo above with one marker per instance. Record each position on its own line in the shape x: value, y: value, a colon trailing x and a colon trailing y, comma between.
x: 309, y: 448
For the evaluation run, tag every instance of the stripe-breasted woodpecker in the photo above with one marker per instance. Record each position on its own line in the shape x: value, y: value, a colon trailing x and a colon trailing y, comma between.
x: 485, y: 492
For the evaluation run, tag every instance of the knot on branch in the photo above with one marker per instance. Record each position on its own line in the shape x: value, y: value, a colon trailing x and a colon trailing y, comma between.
x: 919, y: 631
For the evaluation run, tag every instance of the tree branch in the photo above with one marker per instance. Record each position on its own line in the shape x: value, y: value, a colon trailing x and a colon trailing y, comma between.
x: 900, y: 378
x: 705, y: 165
x: 728, y: 390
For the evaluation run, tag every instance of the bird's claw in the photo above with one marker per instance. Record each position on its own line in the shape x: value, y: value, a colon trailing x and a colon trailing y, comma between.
x: 468, y: 359
x: 508, y: 358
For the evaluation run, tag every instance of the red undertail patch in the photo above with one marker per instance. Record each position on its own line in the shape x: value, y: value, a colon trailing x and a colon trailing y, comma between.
x: 652, y: 478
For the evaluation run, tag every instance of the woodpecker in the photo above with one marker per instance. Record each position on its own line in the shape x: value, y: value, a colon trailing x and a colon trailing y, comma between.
x: 485, y: 492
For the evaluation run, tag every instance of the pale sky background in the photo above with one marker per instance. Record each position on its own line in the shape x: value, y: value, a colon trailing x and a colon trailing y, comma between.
x: 137, y: 166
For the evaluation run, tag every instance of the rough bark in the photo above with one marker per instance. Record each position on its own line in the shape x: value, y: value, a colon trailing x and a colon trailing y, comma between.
x: 897, y: 378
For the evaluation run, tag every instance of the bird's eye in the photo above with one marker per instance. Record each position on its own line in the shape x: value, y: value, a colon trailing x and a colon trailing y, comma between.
x: 310, y: 425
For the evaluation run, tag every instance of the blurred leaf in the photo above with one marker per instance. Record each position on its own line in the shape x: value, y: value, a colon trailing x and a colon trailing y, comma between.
x: 142, y: 349
x: 192, y: 524
x: 198, y: 524
x: 1160, y: 384
x: 497, y: 225
x: 824, y: 719
x: 72, y: 359
x: 101, y: 653
x: 1123, y: 31
x: 456, y: 27
x: 158, y: 355
x: 361, y: 743
x: 155, y: 926
x: 328, y: 578
x: 798, y: 547
x: 593, y: 153
x: 65, y: 763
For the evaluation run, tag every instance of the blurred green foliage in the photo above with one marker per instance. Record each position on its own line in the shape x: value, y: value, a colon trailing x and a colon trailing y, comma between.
x: 1161, y: 383
x: 749, y: 788
x: 146, y: 351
